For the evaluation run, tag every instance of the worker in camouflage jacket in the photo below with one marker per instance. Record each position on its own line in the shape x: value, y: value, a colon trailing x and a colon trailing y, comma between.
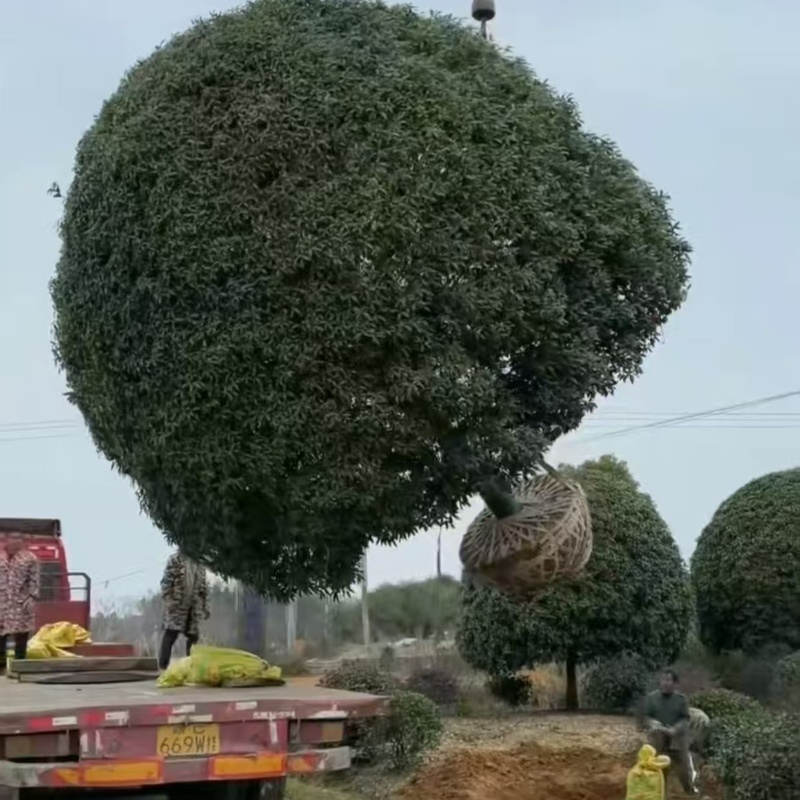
x: 184, y: 593
x: 19, y: 591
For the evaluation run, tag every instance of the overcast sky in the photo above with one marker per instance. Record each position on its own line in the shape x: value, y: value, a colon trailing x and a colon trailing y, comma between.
x: 702, y: 96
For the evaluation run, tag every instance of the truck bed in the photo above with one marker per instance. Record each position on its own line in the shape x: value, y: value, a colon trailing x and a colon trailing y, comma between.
x: 28, y: 707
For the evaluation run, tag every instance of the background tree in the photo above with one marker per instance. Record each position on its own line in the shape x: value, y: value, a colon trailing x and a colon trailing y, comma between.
x: 330, y: 266
x: 634, y: 598
x: 746, y: 568
x: 422, y: 609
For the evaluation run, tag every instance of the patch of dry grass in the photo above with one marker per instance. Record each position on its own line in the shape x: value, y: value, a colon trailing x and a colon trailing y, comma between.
x: 313, y: 790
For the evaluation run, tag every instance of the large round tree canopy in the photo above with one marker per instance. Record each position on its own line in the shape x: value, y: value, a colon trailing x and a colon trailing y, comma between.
x: 746, y: 568
x: 328, y: 264
x: 635, y: 596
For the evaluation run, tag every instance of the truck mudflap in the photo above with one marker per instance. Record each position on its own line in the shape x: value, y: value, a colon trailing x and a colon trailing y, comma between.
x: 110, y: 773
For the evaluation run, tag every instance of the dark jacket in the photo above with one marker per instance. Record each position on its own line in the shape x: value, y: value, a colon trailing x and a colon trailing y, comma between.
x: 669, y: 710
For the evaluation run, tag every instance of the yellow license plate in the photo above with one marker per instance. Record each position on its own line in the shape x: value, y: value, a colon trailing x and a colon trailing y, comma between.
x: 176, y: 741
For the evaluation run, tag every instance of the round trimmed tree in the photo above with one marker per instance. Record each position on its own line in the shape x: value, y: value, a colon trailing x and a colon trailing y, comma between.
x: 634, y: 598
x: 746, y: 568
x: 330, y: 266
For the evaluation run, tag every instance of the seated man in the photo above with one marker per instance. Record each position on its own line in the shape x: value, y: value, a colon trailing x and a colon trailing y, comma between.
x: 667, y: 719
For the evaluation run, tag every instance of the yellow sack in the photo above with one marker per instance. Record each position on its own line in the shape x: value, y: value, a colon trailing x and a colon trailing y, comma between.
x: 50, y: 640
x: 646, y: 779
x: 218, y: 666
x: 176, y: 674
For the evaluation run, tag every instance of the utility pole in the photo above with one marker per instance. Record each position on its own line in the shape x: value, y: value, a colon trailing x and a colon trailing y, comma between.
x: 326, y: 625
x: 439, y: 554
x: 365, y: 602
x: 291, y: 627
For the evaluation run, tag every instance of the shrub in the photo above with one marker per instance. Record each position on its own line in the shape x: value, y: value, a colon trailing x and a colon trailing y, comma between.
x: 413, y: 728
x: 616, y: 684
x: 435, y: 683
x: 723, y: 708
x: 387, y: 658
x: 755, y: 753
x: 365, y: 736
x: 360, y: 676
x: 750, y: 673
x: 723, y: 704
x: 786, y: 691
x: 514, y: 690
x: 747, y: 586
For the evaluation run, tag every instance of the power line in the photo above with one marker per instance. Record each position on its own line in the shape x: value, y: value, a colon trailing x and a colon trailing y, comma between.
x: 36, y: 438
x: 650, y: 420
x: 124, y: 575
x: 41, y: 423
x: 677, y: 420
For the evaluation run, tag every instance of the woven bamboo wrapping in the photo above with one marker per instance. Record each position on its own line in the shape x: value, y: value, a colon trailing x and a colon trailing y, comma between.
x: 549, y: 539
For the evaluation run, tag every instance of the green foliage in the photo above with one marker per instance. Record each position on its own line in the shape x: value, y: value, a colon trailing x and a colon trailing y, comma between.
x: 616, y: 684
x: 746, y: 567
x: 755, y: 756
x: 437, y: 684
x: 752, y: 673
x: 787, y: 671
x: 328, y: 264
x: 723, y: 704
x: 515, y: 690
x: 422, y: 609
x: 367, y: 737
x: 634, y: 596
x: 360, y: 676
x: 413, y: 728
x: 786, y: 688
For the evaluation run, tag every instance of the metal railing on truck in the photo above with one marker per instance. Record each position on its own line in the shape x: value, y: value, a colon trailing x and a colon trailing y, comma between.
x: 60, y: 602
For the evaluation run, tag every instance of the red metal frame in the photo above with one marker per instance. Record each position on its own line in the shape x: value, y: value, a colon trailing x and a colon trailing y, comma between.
x: 72, y: 604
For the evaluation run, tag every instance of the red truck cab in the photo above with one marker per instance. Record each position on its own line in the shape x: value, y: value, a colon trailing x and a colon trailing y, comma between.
x: 63, y: 596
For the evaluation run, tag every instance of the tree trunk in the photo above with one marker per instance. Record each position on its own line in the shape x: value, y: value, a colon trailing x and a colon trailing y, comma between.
x: 572, y: 682
x: 498, y: 500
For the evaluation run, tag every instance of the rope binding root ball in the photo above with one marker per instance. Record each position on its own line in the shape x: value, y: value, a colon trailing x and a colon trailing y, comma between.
x: 542, y: 536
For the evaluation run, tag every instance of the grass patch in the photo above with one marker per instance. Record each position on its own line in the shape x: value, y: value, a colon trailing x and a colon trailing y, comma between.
x: 313, y: 790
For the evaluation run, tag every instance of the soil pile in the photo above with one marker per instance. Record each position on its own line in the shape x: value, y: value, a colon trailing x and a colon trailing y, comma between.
x: 528, y: 772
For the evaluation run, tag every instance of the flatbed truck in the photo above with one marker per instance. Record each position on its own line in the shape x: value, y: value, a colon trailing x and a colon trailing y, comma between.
x: 136, y: 740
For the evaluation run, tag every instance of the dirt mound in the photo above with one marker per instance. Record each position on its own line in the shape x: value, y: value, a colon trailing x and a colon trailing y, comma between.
x: 528, y: 772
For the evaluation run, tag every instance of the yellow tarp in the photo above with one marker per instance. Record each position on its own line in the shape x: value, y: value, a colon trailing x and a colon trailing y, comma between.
x: 50, y: 640
x: 646, y: 779
x: 218, y: 666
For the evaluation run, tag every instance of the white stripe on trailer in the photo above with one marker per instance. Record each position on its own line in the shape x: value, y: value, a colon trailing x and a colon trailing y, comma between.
x: 63, y: 722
